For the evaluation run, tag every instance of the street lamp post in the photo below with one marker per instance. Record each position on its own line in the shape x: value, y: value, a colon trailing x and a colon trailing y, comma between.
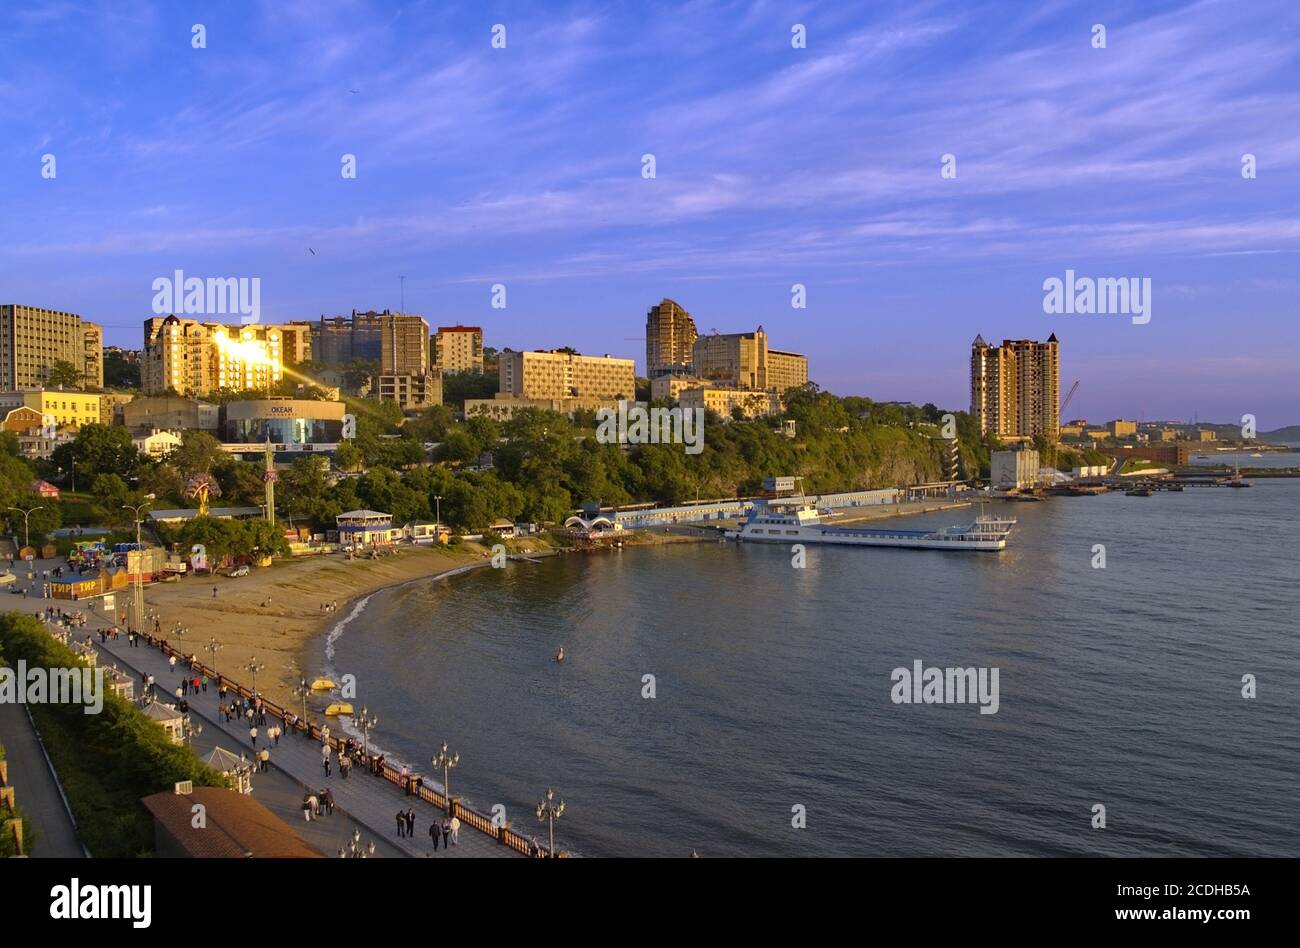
x: 550, y: 811
x: 302, y: 691
x: 27, y: 533
x: 365, y: 721
x: 437, y: 500
x: 212, y: 648
x: 254, y: 666
x: 139, y: 566
x: 446, y: 761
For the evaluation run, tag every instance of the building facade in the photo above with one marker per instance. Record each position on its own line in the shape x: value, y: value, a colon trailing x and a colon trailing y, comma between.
x: 404, y: 345
x: 1015, y: 388
x: 412, y: 391
x: 65, y: 407
x: 170, y: 412
x: 338, y: 340
x: 1012, y: 470
x: 670, y: 335
x: 458, y: 348
x: 744, y: 361
x: 563, y: 374
x: 725, y: 400
x: 289, y: 423
x: 32, y: 339
x: 192, y: 358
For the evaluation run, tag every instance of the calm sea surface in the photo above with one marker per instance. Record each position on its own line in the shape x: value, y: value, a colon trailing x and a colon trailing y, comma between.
x: 1119, y: 686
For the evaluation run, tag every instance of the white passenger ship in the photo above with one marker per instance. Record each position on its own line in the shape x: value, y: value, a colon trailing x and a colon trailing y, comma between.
x: 802, y: 524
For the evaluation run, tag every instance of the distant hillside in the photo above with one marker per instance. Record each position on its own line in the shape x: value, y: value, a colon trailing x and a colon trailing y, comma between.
x: 1291, y: 433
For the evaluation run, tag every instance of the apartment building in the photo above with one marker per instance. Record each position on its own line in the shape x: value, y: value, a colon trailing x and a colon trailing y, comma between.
x: 67, y: 407
x: 563, y: 373
x: 404, y: 344
x: 744, y: 361
x: 1015, y: 387
x: 193, y: 358
x: 670, y: 335
x: 412, y: 391
x: 458, y: 348
x: 32, y: 339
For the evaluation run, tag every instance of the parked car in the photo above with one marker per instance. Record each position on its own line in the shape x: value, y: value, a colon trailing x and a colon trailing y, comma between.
x: 238, y: 571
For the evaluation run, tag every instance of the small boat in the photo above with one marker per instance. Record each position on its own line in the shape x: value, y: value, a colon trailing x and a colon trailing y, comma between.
x: 1138, y: 492
x: 338, y: 708
x: 323, y: 684
x: 559, y: 656
x: 1257, y: 455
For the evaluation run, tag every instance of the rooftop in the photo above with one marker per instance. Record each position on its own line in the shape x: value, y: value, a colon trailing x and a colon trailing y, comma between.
x: 238, y: 827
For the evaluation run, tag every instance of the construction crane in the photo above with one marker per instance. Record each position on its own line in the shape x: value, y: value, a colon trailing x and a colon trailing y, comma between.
x: 1069, y: 396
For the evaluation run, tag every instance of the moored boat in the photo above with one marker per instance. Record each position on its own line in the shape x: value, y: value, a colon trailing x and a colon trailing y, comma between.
x: 801, y: 523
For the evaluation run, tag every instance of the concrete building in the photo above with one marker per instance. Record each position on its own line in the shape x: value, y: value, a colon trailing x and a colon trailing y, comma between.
x: 458, y: 348
x: 412, y: 391
x: 295, y: 341
x: 193, y: 358
x: 290, y: 424
x: 171, y: 412
x: 404, y: 344
x: 670, y: 387
x: 66, y: 407
x: 723, y: 400
x: 337, y: 340
x: 111, y: 404
x: 564, y: 374
x: 670, y: 335
x: 33, y: 339
x: 504, y: 407
x: 156, y: 444
x: 1015, y: 387
x: 744, y: 361
x: 1119, y: 429
x: 1014, y: 469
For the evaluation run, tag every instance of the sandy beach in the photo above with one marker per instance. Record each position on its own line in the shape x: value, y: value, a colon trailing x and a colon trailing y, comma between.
x: 275, y: 613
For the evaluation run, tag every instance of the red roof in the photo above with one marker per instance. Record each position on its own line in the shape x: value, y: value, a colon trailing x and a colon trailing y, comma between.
x: 237, y: 826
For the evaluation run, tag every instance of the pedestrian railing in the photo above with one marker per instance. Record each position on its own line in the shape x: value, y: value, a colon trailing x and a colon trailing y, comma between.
x: 414, y: 784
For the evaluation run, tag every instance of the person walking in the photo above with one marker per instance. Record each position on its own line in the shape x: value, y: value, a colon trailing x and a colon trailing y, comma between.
x: 314, y: 803
x: 446, y: 831
x: 455, y: 830
x: 435, y: 833
x: 214, y: 592
x: 306, y: 808
x: 171, y: 662
x: 327, y: 798
x: 410, y: 824
x: 345, y: 765
x: 401, y: 823
x: 265, y: 759
x: 252, y: 735
x: 325, y: 762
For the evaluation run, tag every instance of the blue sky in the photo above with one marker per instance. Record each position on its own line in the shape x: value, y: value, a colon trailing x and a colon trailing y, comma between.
x: 775, y: 166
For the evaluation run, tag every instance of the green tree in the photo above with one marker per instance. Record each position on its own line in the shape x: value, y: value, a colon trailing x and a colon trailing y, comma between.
x: 63, y: 375
x: 198, y: 453
x: 98, y: 449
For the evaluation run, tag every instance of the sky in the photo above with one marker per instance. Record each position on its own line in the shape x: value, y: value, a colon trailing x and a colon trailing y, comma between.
x: 774, y: 166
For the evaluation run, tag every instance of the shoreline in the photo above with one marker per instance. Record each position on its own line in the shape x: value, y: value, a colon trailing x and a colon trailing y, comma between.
x: 274, y: 614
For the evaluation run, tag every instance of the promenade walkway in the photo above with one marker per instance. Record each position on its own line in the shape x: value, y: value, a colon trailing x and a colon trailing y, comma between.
x: 368, y: 801
x: 35, y: 790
